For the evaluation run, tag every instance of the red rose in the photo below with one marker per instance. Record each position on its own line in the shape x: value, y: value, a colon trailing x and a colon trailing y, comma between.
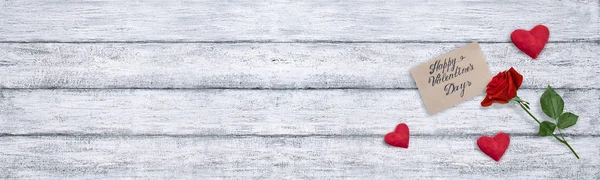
x: 503, y: 87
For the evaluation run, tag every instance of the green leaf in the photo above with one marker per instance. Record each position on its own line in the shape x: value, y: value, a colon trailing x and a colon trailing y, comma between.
x: 546, y: 128
x: 567, y: 120
x: 552, y: 103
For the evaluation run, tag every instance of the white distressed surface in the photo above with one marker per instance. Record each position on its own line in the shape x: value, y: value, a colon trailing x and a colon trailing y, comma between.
x: 248, y: 110
x: 268, y: 112
x: 285, y: 20
x: 440, y: 157
x: 280, y: 65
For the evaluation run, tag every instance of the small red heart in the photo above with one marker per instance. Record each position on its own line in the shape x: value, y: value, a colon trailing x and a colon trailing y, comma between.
x: 399, y: 137
x: 531, y: 42
x: 494, y: 147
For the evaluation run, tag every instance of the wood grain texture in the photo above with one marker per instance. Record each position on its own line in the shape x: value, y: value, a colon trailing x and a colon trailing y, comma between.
x: 273, y: 65
x: 291, y: 158
x: 280, y: 89
x: 292, y: 21
x: 269, y: 112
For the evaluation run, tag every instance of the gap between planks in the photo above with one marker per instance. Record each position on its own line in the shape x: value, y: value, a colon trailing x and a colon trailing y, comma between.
x: 332, y: 136
x: 282, y: 42
x: 265, y: 89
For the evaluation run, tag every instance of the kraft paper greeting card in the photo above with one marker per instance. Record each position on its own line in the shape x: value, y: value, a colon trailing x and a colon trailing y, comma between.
x: 452, y: 78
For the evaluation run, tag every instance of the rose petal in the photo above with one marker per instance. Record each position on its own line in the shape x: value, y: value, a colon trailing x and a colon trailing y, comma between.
x: 517, y: 78
x: 511, y: 90
x: 500, y: 86
x: 487, y: 101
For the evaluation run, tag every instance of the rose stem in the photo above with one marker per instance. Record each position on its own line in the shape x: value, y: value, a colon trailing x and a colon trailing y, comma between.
x: 538, y: 121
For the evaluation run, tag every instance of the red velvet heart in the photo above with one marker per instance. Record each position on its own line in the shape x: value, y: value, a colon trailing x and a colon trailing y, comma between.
x: 399, y: 137
x: 531, y: 42
x: 494, y: 147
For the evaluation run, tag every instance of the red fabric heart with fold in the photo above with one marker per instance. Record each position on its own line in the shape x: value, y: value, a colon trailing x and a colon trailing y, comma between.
x: 494, y: 147
x: 398, y: 138
x: 531, y: 42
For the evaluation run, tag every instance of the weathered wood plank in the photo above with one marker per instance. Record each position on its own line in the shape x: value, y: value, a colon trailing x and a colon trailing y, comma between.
x: 291, y: 158
x: 273, y: 65
x: 270, y: 112
x: 277, y: 20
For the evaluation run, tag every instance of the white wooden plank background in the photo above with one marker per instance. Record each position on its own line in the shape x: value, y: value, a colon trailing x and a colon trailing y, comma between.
x: 280, y: 65
x: 250, y: 157
x: 270, y: 112
x: 281, y: 89
x: 286, y: 20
